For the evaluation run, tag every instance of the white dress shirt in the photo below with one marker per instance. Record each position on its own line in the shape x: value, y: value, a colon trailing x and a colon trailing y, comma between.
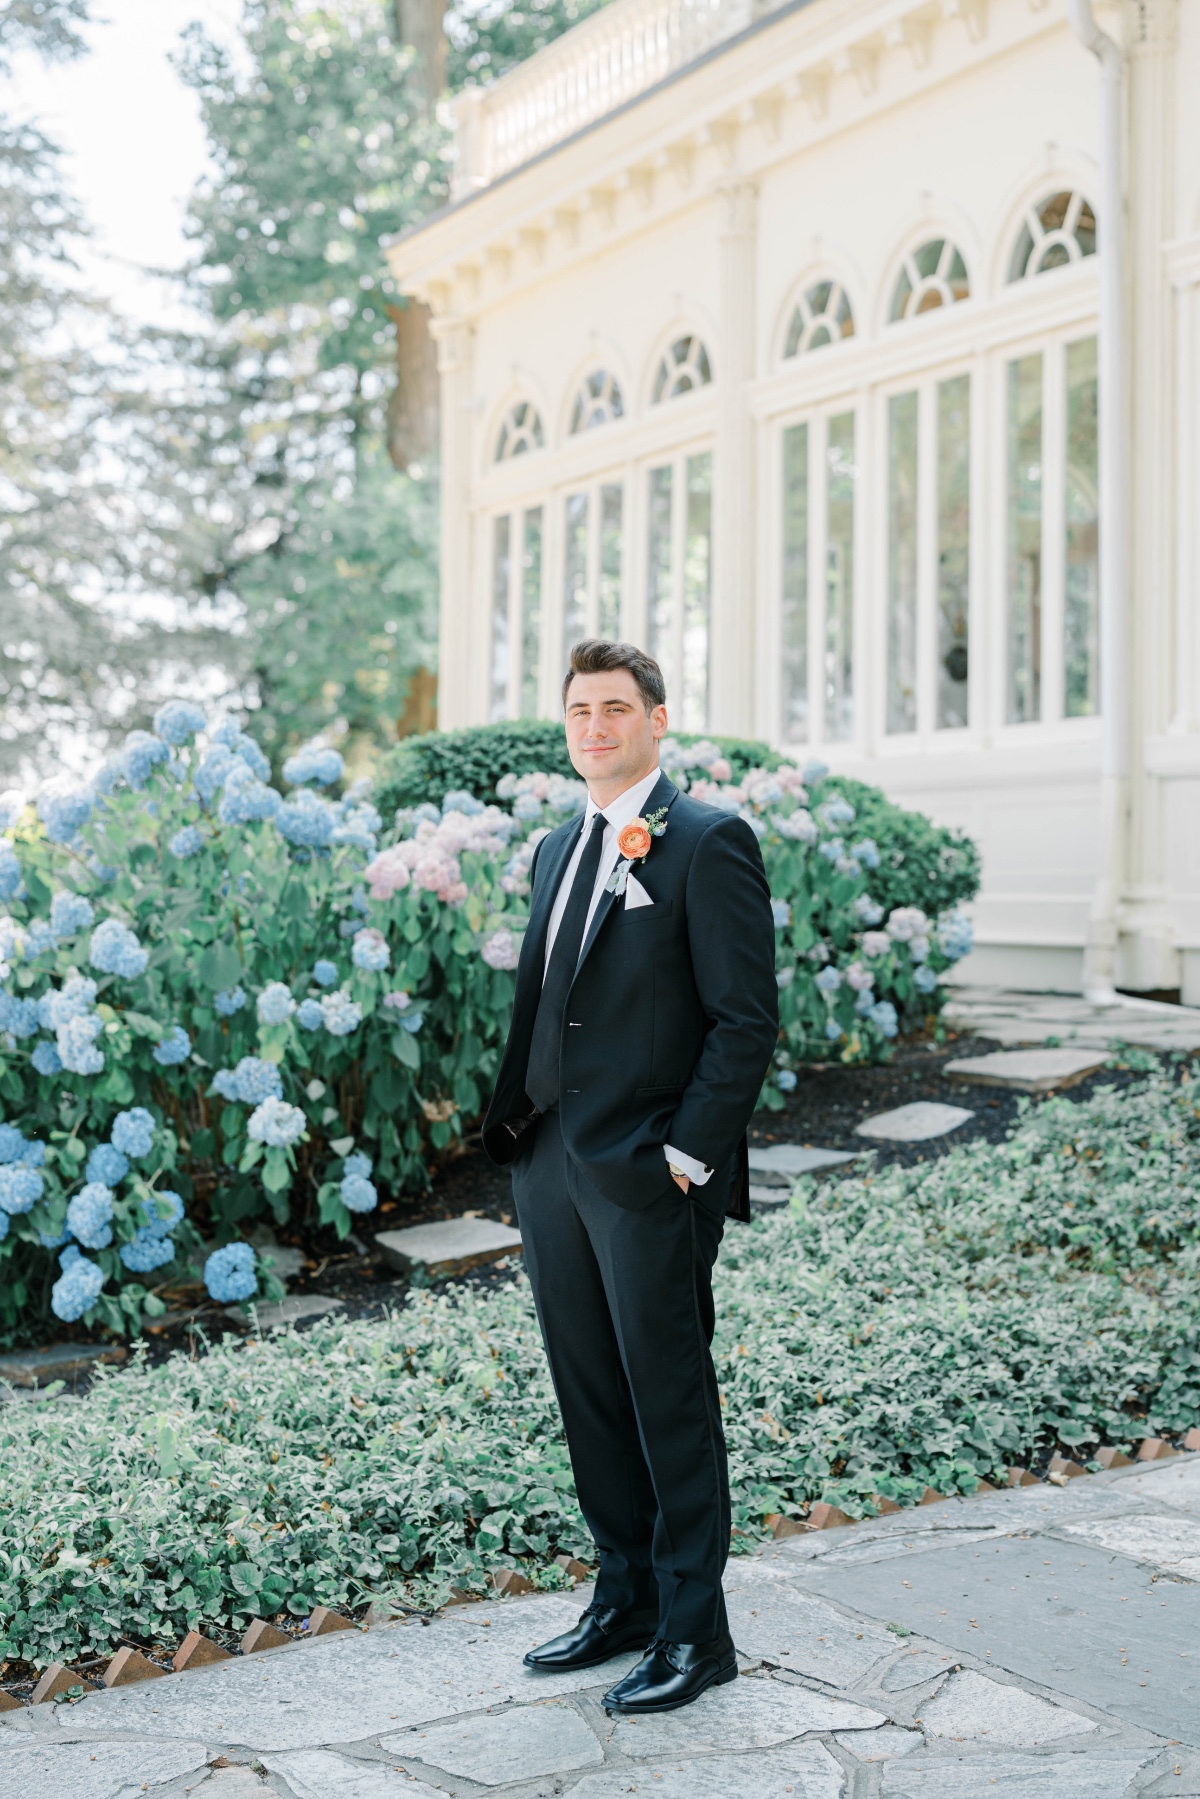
x: 622, y: 811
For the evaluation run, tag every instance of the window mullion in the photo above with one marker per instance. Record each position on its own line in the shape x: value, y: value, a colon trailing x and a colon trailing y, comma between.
x: 516, y: 569
x: 591, y: 609
x: 927, y: 557
x: 817, y: 527
x: 679, y: 512
x: 1054, y: 478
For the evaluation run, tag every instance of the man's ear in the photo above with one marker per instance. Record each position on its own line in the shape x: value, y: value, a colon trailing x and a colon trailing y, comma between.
x: 658, y: 723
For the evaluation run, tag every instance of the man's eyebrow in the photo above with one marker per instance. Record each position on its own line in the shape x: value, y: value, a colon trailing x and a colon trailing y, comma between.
x: 616, y: 700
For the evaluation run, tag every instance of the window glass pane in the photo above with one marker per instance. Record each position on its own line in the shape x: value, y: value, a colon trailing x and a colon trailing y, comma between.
x: 697, y: 591
x: 658, y: 573
x: 839, y: 578
x: 954, y: 548
x: 575, y: 561
x: 531, y: 612
x: 608, y: 611
x: 902, y: 563
x: 500, y: 540
x: 1024, y: 580
x: 1081, y: 615
x: 794, y: 632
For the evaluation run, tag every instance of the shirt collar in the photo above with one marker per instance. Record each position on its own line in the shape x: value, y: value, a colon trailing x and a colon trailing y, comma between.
x: 627, y: 806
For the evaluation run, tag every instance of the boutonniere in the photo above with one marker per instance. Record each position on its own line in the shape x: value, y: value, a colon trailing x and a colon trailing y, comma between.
x: 633, y: 843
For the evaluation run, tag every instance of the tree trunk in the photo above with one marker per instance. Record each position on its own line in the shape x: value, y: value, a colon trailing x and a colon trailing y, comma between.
x: 412, y: 423
x: 419, y: 23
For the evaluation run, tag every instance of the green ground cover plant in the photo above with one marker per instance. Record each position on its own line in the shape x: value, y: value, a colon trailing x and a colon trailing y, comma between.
x: 928, y: 1324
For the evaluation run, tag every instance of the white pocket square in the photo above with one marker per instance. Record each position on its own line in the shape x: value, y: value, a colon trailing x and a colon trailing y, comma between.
x: 635, y: 894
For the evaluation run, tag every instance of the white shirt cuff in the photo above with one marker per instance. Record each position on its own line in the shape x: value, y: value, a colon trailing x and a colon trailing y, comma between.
x: 695, y: 1171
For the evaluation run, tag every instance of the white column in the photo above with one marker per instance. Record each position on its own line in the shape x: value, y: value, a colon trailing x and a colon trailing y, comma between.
x: 463, y: 622
x: 1149, y: 959
x: 731, y: 644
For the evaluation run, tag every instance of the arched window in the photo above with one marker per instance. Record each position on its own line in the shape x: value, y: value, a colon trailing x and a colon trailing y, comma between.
x: 823, y: 316
x: 521, y: 431
x: 597, y: 402
x: 1061, y: 230
x: 935, y: 275
x: 684, y: 366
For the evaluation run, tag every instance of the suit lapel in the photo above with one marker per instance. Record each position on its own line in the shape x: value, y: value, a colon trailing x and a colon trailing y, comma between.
x: 556, y: 858
x: 664, y: 794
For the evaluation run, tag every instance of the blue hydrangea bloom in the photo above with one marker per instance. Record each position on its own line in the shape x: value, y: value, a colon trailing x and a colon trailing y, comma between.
x: 147, y: 1252
x: 829, y: 980
x: 838, y: 811
x: 277, y: 1124
x: 140, y: 756
x: 173, y: 1049
x: 357, y: 1164
x: 133, y: 1132
x: 158, y: 1225
x: 867, y: 852
x: 76, y: 1042
x: 925, y: 979
x: 864, y: 1000
x: 115, y: 950
x: 814, y: 771
x: 359, y: 900
x: 833, y: 1029
x: 526, y: 807
x: 64, y: 809
x: 107, y: 1164
x: 358, y: 825
x: 459, y: 800
x: 247, y: 800
x: 69, y: 913
x: 370, y: 951
x: 209, y: 777
x: 20, y: 1188
x: 411, y: 1022
x: 757, y: 825
x: 74, y: 999
x: 225, y: 731
x: 428, y: 810
x: 883, y: 1016
x: 315, y: 764
x: 785, y: 1080
x: 956, y: 936
x: 306, y: 820
x: 19, y: 1017
x: 40, y: 937
x: 12, y: 1144
x: 77, y: 1288
x: 781, y: 914
x: 229, y: 1001
x: 247, y: 751
x: 229, y: 1274
x: 275, y: 1003
x: 89, y: 1216
x: 187, y: 841
x: 867, y: 909
x: 832, y: 849
x: 177, y: 720
x: 324, y: 973
x: 45, y: 1058
x: 47, y: 1239
x: 4, y: 1230
x: 309, y: 1015
x: 358, y: 1194
x: 10, y: 870
x: 341, y: 1013
x: 252, y: 1081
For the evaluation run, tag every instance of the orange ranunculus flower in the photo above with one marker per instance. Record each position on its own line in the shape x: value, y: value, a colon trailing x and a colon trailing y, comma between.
x: 634, y: 841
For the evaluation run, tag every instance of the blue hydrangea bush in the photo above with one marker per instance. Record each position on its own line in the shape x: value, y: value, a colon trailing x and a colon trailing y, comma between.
x: 219, y: 1000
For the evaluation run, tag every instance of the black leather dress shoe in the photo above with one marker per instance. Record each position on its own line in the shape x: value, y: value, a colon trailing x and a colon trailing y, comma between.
x: 601, y: 1633
x: 673, y: 1674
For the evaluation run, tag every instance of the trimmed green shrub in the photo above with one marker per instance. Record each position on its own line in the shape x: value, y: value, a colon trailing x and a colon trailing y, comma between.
x: 476, y: 759
x: 913, y: 1326
x: 920, y: 863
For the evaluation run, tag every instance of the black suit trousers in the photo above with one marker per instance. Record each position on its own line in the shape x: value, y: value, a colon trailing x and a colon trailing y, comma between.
x: 624, y: 1299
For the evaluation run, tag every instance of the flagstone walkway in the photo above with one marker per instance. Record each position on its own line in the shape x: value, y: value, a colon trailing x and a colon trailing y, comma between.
x: 1042, y: 1643
x: 1010, y: 1018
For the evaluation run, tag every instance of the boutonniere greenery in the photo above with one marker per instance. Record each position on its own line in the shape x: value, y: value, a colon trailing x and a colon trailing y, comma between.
x: 634, y: 845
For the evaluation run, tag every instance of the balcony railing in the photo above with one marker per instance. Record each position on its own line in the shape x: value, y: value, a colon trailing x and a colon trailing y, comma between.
x: 620, y: 52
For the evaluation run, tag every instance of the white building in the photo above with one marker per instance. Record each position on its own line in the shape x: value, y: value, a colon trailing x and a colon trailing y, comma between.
x: 768, y: 339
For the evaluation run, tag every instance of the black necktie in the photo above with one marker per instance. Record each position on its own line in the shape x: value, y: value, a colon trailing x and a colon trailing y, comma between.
x: 541, y: 1079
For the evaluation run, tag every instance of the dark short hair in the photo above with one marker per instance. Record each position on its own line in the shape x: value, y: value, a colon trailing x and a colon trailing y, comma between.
x: 596, y: 656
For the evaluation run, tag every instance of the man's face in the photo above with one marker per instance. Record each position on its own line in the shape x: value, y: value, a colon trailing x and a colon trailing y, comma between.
x: 611, y: 738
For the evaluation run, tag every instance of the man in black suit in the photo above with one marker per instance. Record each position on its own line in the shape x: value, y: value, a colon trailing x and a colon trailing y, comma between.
x: 644, y: 1021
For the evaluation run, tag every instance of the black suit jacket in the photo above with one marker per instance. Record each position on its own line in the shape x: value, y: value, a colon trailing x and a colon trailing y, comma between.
x: 672, y: 1018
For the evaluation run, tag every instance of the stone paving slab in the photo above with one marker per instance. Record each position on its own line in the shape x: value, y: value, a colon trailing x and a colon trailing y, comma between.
x: 1055, y: 1613
x: 448, y: 1247
x: 1026, y: 1070
x: 519, y: 1745
x: 797, y: 1158
x: 295, y: 1309
x: 1010, y: 1017
x: 1015, y: 1776
x: 32, y: 1768
x: 806, y: 1772
x: 914, y: 1123
x: 771, y: 1617
x: 748, y: 1714
x: 1175, y: 1483
x: 1167, y: 1543
x: 38, y: 1367
x: 970, y: 1707
x: 319, y: 1774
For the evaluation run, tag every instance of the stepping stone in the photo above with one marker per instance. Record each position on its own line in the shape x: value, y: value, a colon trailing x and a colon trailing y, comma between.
x: 770, y: 1196
x: 522, y: 1745
x: 38, y: 1367
x: 805, y: 1771
x: 796, y: 1158
x: 449, y: 1247
x: 1028, y: 1070
x: 298, y: 1309
x: 914, y: 1123
x: 1016, y: 1776
x: 971, y: 1708
x: 880, y: 1745
x: 33, y: 1768
x: 747, y: 1714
